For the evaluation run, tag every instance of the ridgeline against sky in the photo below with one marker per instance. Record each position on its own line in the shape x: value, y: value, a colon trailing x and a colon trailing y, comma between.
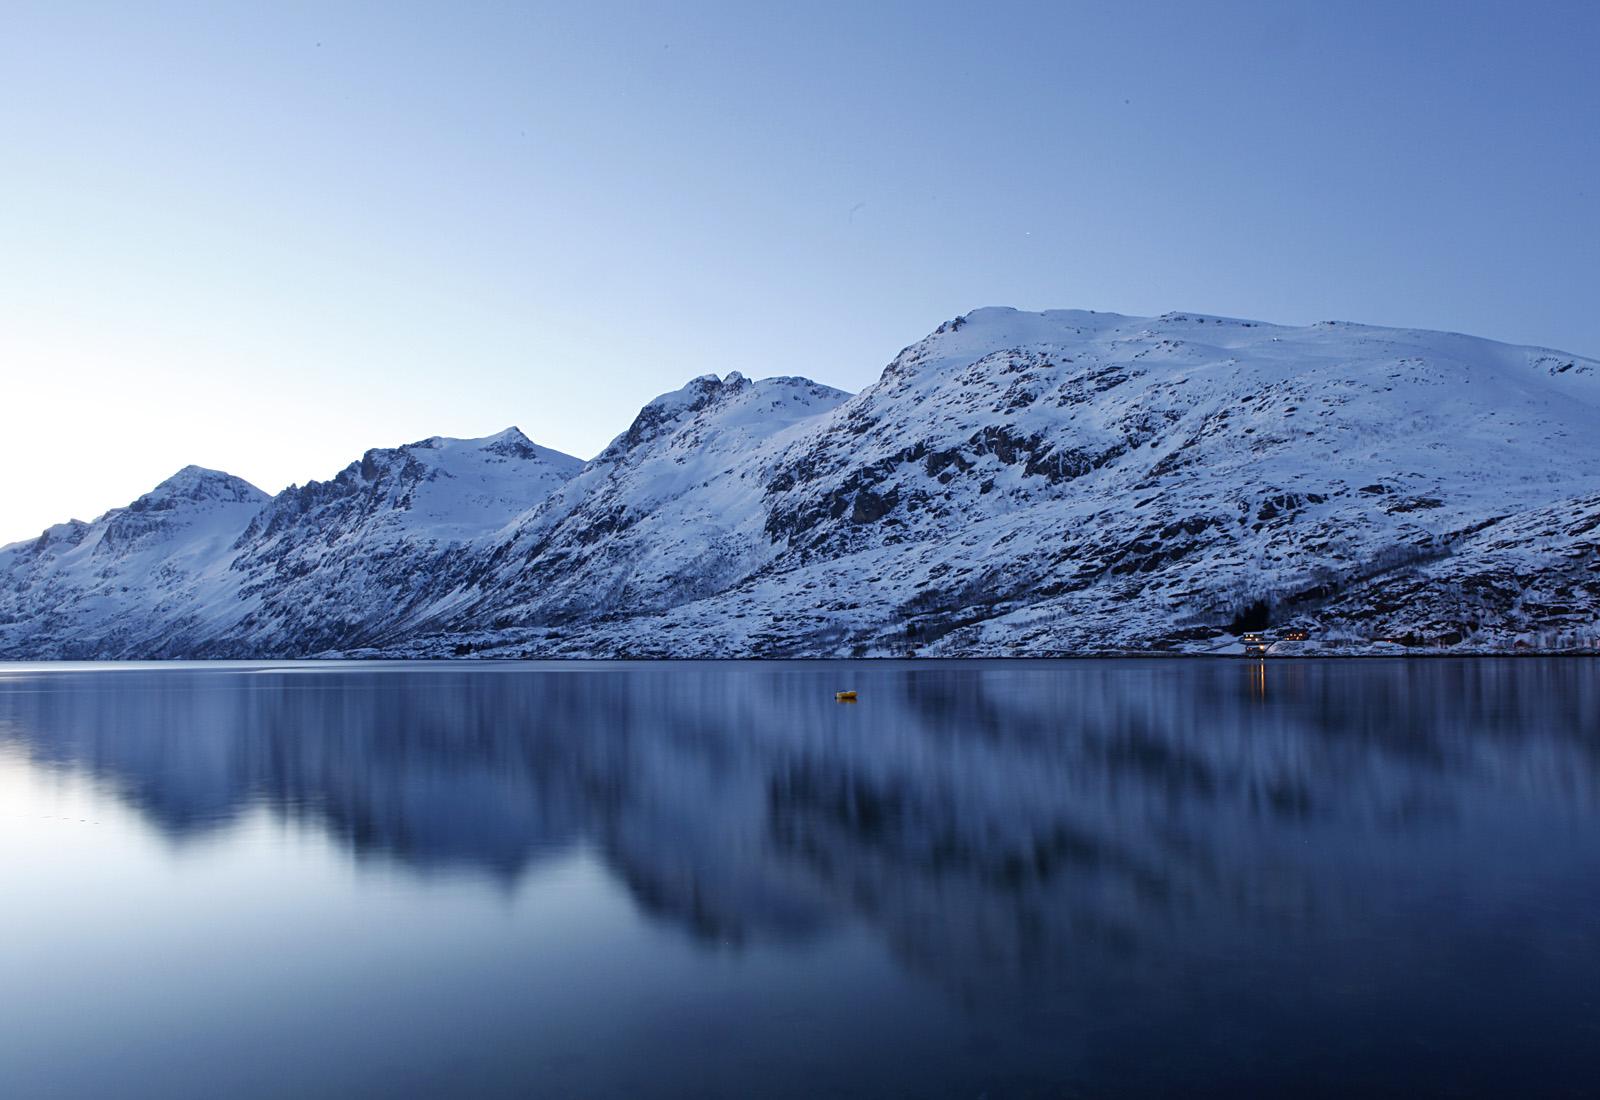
x: 245, y: 237
x: 1015, y: 484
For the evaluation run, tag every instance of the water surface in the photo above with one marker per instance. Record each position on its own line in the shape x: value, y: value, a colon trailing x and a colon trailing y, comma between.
x: 1004, y: 879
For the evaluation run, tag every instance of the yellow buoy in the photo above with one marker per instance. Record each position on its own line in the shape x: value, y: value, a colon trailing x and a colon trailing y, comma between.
x: 845, y: 696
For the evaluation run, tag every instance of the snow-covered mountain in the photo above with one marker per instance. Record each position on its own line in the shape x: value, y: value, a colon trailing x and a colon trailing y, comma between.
x: 1015, y: 483
x: 356, y: 559
x: 207, y: 564
x: 117, y: 586
x: 671, y: 511
x: 1030, y: 483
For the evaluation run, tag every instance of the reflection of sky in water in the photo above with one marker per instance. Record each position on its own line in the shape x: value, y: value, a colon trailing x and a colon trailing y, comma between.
x: 691, y: 879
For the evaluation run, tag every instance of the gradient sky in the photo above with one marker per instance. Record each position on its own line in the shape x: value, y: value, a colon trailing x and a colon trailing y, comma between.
x: 265, y: 237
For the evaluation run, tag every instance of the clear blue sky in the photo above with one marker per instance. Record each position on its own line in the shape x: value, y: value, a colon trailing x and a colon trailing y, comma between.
x: 264, y: 237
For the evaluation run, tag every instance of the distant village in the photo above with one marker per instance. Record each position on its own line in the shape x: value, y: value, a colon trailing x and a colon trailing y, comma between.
x: 1296, y: 641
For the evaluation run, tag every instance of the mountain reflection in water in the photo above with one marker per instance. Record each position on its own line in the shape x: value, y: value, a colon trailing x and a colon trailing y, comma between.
x: 1247, y: 868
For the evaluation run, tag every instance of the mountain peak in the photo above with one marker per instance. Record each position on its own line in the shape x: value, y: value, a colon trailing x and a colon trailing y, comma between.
x: 700, y: 390
x: 191, y: 475
x: 667, y: 409
x: 512, y: 443
x: 197, y: 484
x: 1019, y: 483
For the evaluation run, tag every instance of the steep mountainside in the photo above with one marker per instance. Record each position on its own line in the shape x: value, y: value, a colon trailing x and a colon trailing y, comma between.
x: 207, y: 565
x: 670, y: 511
x: 353, y: 560
x: 120, y: 584
x: 1074, y: 482
x: 1014, y: 484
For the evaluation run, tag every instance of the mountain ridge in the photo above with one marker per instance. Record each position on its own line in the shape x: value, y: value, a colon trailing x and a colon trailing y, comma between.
x: 1013, y: 484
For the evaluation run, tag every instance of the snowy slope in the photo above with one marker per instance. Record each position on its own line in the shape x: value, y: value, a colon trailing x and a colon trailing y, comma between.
x: 121, y: 583
x: 1070, y: 481
x: 208, y: 565
x: 349, y: 561
x: 1015, y: 483
x: 670, y: 511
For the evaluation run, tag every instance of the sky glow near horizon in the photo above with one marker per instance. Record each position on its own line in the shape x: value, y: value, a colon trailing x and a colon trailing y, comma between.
x: 264, y: 238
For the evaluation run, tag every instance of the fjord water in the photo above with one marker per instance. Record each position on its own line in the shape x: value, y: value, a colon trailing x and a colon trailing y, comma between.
x: 680, y: 879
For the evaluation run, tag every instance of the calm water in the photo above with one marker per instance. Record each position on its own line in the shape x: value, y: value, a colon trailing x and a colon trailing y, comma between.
x: 1035, y: 879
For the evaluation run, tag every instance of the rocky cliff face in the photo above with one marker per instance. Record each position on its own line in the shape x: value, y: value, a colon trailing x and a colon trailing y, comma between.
x: 1014, y: 484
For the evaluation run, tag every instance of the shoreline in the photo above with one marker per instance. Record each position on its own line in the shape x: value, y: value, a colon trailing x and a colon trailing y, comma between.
x: 15, y: 663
